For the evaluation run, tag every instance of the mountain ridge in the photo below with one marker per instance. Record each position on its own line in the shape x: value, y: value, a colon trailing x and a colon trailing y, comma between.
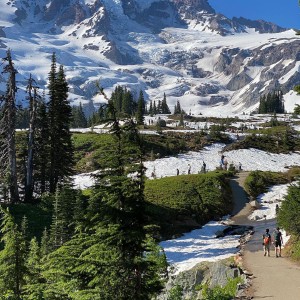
x: 180, y: 47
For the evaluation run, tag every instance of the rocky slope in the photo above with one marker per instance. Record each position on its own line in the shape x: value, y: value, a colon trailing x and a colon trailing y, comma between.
x: 180, y: 47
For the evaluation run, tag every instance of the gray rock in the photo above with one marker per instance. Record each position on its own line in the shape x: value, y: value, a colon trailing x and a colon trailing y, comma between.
x: 238, y: 81
x: 210, y: 273
x: 255, y: 204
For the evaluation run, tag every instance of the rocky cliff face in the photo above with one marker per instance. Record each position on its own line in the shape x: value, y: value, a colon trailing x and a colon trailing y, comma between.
x: 181, y: 47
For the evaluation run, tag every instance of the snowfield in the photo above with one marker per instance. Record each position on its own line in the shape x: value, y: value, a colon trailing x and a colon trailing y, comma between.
x: 199, y: 245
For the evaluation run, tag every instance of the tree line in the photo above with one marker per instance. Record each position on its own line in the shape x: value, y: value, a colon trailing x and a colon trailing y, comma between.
x: 47, y: 153
x: 271, y: 103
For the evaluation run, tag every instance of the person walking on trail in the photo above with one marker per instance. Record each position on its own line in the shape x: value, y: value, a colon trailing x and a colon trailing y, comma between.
x: 278, y: 242
x: 225, y: 164
x: 222, y: 162
x: 189, y: 169
x: 177, y: 172
x: 267, y: 240
x: 240, y: 166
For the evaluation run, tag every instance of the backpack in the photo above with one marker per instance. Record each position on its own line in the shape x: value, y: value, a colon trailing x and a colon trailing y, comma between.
x: 267, y: 239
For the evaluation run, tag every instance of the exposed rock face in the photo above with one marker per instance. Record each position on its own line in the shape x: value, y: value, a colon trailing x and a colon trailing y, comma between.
x: 192, y: 7
x: 239, y: 81
x: 259, y: 25
x: 211, y: 273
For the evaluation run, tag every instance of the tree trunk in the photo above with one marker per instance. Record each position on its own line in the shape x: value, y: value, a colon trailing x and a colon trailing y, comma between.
x: 29, y: 168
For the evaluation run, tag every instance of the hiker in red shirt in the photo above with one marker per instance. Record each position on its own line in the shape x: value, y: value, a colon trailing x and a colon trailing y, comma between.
x: 267, y: 242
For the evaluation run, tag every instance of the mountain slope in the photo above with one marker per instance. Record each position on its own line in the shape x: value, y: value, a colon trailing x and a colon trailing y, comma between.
x: 180, y: 47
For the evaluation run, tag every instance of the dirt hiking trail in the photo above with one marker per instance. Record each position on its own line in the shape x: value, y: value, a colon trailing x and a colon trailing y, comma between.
x: 273, y: 278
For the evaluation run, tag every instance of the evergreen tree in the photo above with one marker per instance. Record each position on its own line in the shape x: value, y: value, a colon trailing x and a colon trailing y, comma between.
x: 33, y: 288
x: 111, y: 259
x: 42, y: 149
x: 140, y: 109
x: 288, y: 216
x: 33, y: 98
x: 297, y: 109
x: 12, y: 258
x: 33, y: 262
x: 297, y: 89
x: 62, y: 227
x: 271, y: 103
x: 181, y: 120
x: 8, y: 172
x: 45, y: 241
x: 117, y: 98
x: 128, y: 107
x: 60, y: 113
x: 151, y: 109
x: 154, y: 109
x: 78, y: 117
x: 177, y: 108
x: 164, y: 106
x: 159, y: 107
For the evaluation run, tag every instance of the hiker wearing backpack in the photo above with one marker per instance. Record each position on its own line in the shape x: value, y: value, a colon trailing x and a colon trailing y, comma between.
x: 267, y: 240
x: 278, y: 242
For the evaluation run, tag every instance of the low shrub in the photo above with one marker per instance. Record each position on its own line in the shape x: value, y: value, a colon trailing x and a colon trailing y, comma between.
x: 257, y: 182
x: 227, y: 292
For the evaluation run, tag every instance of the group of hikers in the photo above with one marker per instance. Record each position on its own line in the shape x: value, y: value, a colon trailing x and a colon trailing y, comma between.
x: 276, y: 240
x: 224, y: 163
x: 203, y: 169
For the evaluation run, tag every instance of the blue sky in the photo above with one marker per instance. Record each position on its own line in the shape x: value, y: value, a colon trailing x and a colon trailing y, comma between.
x: 285, y: 13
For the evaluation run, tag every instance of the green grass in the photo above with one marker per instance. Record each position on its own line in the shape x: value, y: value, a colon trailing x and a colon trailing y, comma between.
x: 184, y: 202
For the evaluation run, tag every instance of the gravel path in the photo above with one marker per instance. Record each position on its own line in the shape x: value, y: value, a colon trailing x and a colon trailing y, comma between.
x: 273, y: 278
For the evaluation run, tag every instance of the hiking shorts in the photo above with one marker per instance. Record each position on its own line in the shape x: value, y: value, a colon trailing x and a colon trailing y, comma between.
x: 277, y: 244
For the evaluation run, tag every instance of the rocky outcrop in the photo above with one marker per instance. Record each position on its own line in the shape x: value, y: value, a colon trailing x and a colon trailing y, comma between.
x: 259, y: 25
x: 211, y: 274
x: 239, y: 81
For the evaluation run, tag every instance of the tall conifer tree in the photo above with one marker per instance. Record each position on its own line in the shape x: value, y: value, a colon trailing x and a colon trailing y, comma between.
x: 140, y: 109
x: 42, y: 149
x: 164, y: 106
x: 60, y: 114
x: 33, y: 98
x: 7, y: 133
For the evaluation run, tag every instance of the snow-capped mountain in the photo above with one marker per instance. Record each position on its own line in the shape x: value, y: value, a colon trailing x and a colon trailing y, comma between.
x: 180, y: 47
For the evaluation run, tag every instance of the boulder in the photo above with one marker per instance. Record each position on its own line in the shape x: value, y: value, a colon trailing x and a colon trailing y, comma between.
x: 255, y: 204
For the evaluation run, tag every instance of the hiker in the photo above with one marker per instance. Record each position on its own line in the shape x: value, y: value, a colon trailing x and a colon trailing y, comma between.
x: 222, y: 162
x: 225, y: 164
x: 267, y: 240
x: 278, y: 242
x: 276, y: 209
x: 240, y: 167
x: 203, y: 167
x: 189, y: 170
x: 177, y: 172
